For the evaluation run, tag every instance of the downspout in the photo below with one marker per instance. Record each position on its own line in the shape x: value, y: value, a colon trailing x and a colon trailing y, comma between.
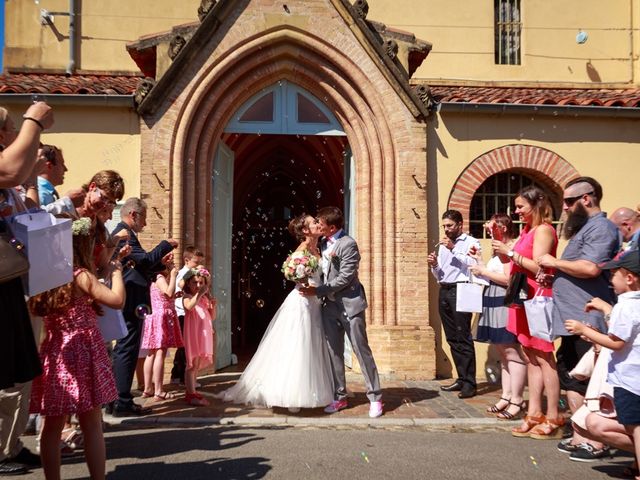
x: 71, y: 67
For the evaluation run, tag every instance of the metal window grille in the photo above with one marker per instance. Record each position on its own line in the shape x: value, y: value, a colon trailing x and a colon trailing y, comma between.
x: 497, y: 195
x: 507, y: 32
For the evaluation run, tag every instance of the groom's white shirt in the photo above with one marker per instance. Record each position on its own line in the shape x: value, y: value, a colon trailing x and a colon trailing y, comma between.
x: 330, y: 245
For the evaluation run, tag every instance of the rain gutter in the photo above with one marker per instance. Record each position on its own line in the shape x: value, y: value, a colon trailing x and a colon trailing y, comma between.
x: 543, y: 110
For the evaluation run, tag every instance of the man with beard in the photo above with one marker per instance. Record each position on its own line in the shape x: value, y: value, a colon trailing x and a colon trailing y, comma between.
x: 450, y: 266
x: 593, y: 239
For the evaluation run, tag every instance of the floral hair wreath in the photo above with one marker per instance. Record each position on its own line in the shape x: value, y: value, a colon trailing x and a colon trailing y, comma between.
x: 81, y: 226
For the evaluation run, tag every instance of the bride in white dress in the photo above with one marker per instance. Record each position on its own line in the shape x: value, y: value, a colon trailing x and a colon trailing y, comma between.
x: 291, y: 367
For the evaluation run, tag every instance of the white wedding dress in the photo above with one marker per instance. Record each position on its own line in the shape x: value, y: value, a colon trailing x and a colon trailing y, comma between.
x: 291, y: 367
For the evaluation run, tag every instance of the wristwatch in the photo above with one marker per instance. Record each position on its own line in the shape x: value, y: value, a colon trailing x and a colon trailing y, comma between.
x: 510, y: 253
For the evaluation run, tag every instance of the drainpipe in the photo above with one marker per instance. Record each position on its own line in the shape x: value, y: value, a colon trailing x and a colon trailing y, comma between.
x: 71, y: 67
x: 46, y: 18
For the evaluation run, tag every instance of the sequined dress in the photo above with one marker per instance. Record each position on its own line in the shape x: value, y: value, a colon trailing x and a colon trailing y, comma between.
x: 77, y: 374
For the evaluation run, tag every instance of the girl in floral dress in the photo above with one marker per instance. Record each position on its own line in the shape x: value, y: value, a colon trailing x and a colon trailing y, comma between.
x: 77, y: 376
x: 161, y: 330
x: 199, y: 336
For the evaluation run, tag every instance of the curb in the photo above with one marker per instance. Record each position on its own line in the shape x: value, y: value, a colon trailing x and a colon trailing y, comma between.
x: 452, y: 424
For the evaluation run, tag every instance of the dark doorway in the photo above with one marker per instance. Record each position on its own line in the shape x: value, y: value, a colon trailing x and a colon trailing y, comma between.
x: 276, y: 177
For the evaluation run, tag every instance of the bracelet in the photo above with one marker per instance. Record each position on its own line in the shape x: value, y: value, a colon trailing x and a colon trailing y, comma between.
x: 37, y: 122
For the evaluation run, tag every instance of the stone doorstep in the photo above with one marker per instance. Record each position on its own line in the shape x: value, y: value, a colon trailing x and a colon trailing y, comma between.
x: 408, y: 403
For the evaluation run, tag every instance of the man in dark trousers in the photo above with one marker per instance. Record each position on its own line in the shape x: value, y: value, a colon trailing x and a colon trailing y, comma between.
x: 450, y: 266
x: 137, y: 280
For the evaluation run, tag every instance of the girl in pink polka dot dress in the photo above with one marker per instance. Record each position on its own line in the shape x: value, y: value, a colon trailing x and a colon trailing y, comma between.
x: 77, y: 376
x: 161, y: 330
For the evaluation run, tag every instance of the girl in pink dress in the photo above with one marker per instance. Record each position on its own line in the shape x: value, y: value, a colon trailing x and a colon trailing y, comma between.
x: 161, y: 330
x: 77, y: 376
x: 537, y: 238
x: 199, y: 336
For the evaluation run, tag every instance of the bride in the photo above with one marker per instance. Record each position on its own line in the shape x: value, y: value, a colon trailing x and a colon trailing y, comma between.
x: 291, y: 367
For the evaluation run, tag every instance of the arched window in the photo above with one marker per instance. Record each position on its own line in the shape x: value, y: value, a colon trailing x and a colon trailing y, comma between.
x: 497, y: 195
x: 285, y: 108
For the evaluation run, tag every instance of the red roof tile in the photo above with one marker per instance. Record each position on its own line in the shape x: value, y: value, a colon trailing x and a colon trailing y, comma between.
x: 45, y: 83
x: 629, y: 98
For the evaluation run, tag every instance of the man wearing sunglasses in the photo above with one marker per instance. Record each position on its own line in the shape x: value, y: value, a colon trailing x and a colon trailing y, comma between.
x: 593, y: 240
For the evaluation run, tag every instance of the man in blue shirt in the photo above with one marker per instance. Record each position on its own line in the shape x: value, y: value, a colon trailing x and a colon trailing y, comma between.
x: 52, y: 174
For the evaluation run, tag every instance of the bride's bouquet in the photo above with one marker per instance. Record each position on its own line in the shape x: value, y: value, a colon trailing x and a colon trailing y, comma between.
x: 299, y: 266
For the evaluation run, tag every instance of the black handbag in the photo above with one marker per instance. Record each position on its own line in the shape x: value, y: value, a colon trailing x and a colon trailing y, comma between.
x: 13, y: 263
x: 517, y: 290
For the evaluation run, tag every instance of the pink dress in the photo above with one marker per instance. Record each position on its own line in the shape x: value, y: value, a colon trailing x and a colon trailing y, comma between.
x: 77, y: 374
x: 161, y: 326
x: 199, y: 336
x: 517, y: 323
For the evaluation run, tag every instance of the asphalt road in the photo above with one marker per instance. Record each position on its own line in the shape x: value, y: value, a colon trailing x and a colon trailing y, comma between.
x: 237, y: 452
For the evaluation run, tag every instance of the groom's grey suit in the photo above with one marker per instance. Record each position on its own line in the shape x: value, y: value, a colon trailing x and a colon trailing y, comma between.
x: 343, y: 310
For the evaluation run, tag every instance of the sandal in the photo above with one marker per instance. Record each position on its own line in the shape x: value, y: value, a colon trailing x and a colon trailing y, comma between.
x: 164, y: 396
x: 147, y: 395
x: 548, y: 430
x: 507, y: 415
x: 73, y: 438
x: 495, y: 408
x: 528, y: 423
x: 196, y: 400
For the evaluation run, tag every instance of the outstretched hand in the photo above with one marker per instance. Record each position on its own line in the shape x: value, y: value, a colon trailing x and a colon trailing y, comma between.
x: 308, y: 291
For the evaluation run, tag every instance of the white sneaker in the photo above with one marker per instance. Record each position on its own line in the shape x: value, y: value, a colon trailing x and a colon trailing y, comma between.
x: 375, y: 410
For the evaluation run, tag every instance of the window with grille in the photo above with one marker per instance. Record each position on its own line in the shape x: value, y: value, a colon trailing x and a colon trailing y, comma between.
x: 507, y: 32
x: 497, y: 195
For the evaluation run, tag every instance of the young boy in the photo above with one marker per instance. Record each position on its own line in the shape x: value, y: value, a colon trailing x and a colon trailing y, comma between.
x: 623, y: 339
x: 192, y: 257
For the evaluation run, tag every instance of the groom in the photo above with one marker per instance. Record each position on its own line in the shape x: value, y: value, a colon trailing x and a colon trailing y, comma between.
x: 343, y: 309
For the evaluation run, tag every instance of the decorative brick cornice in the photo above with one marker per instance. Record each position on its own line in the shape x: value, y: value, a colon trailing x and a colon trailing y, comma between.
x: 545, y: 166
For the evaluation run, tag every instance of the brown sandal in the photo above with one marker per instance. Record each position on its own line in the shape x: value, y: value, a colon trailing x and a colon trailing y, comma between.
x: 495, y: 408
x: 528, y: 423
x: 548, y: 430
x: 507, y: 415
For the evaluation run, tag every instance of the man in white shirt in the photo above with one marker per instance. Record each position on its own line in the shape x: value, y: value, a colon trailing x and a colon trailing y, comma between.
x: 450, y: 266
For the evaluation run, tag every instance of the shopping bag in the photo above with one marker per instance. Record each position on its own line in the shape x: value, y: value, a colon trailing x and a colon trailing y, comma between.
x: 111, y: 324
x: 539, y: 312
x: 48, y: 244
x: 469, y: 297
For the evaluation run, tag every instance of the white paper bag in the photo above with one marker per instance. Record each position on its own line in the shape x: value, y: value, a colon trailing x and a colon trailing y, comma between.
x: 48, y: 243
x: 111, y: 324
x: 469, y: 297
x: 539, y: 312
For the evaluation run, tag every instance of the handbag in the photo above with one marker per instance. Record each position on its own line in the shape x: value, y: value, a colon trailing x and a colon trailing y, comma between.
x: 13, y: 264
x: 469, y: 297
x: 539, y: 312
x: 517, y: 290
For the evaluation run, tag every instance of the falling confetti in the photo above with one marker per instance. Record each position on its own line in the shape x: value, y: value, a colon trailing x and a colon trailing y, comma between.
x: 364, y: 457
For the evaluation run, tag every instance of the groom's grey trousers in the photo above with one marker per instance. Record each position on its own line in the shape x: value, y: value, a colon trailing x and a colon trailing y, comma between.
x: 336, y: 323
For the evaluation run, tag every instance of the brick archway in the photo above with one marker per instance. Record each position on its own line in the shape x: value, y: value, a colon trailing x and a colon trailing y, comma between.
x: 543, y: 165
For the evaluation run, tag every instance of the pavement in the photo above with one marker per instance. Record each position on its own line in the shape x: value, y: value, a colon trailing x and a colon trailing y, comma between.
x: 406, y: 403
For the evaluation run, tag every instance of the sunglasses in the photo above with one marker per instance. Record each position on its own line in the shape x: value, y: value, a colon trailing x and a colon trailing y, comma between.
x: 569, y: 201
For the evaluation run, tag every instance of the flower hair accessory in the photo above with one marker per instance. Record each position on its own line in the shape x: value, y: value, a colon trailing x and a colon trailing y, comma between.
x: 81, y: 226
x: 203, y: 272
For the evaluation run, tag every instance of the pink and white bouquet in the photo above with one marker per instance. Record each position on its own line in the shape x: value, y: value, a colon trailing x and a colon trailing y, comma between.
x: 299, y: 266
